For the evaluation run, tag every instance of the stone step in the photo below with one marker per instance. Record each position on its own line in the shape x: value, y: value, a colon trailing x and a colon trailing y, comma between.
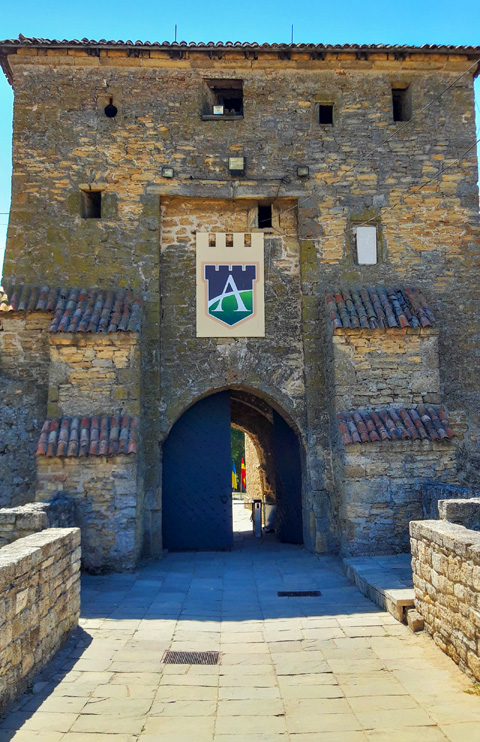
x: 386, y: 580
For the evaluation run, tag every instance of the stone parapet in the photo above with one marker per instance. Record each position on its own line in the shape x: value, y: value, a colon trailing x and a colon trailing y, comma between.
x: 463, y: 512
x: 16, y: 523
x: 446, y: 578
x: 434, y: 492
x: 40, y: 589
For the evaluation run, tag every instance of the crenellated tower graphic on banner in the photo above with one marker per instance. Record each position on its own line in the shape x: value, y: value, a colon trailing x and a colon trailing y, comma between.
x: 230, y: 289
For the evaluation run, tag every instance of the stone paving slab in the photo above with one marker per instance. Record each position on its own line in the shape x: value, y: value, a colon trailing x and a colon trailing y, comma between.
x: 330, y: 669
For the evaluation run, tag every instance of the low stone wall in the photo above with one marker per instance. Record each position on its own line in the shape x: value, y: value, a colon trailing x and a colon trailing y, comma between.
x: 40, y: 604
x: 463, y: 512
x: 433, y: 492
x: 446, y: 578
x: 19, y: 522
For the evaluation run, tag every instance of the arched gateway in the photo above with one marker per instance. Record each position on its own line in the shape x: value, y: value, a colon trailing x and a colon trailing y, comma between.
x: 196, y: 492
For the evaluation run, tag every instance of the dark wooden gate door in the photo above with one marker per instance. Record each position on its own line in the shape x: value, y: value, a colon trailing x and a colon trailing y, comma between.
x: 288, y: 482
x: 197, y: 478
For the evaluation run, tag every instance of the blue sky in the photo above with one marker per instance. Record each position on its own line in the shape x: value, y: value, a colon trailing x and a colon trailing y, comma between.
x: 362, y: 22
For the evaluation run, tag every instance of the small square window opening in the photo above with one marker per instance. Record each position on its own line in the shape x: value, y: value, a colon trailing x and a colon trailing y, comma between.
x: 325, y: 114
x: 226, y: 97
x: 92, y: 204
x: 265, y: 216
x: 401, y: 104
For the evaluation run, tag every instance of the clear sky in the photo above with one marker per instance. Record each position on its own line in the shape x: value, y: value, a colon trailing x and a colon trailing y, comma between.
x: 343, y: 21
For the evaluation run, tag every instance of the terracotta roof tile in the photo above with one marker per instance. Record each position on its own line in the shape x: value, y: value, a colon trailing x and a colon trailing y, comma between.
x: 378, y: 308
x: 39, y: 42
x: 76, y: 310
x: 418, y: 423
x: 103, y: 435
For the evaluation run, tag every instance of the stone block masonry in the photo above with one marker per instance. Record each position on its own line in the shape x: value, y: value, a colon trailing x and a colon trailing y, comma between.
x: 446, y: 578
x: 381, y: 492
x: 24, y: 361
x: 39, y: 604
x: 22, y: 411
x: 24, y: 352
x: 92, y: 374
x: 104, y: 491
x: 435, y: 491
x: 463, y: 512
x: 385, y: 368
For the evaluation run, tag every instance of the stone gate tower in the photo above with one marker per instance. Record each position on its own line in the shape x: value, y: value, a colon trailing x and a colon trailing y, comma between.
x: 355, y: 164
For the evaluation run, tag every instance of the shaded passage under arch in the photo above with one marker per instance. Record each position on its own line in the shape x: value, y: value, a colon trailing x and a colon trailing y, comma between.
x: 196, y: 492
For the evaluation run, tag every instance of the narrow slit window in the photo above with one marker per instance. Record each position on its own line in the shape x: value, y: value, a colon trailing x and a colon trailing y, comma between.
x: 92, y: 204
x: 325, y: 114
x: 265, y: 216
x: 401, y: 104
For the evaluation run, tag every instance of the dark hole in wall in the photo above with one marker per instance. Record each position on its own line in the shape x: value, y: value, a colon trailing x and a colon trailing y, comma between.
x: 92, y: 204
x: 264, y: 215
x: 111, y: 110
x: 229, y: 94
x: 401, y: 104
x: 325, y: 114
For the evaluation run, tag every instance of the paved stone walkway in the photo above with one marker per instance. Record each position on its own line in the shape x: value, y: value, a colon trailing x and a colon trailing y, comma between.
x: 321, y: 669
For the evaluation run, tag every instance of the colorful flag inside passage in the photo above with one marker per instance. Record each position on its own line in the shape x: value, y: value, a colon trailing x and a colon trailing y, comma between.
x: 243, y: 473
x: 234, y: 476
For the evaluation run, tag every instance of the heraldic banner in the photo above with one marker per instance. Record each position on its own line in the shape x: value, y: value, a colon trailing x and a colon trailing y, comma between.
x: 230, y: 290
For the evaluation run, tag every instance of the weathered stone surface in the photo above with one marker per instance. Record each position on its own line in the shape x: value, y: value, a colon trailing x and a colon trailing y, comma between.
x: 415, y: 621
x: 433, y: 492
x: 446, y: 577
x: 464, y: 512
x: 91, y: 375
x: 22, y: 412
x: 16, y: 523
x: 104, y: 492
x: 380, y: 486
x: 40, y: 589
x: 381, y: 368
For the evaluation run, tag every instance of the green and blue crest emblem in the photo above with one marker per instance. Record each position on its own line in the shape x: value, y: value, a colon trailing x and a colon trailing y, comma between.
x: 230, y: 292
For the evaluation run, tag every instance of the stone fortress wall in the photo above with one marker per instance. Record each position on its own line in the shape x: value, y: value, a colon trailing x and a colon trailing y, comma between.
x: 64, y: 145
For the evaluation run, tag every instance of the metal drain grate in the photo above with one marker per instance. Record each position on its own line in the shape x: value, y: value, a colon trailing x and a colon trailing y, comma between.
x: 299, y: 593
x: 191, y: 658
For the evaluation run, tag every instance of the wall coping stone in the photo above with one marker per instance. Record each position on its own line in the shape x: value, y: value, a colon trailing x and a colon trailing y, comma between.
x: 17, y: 558
x: 463, y: 541
x: 463, y: 511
